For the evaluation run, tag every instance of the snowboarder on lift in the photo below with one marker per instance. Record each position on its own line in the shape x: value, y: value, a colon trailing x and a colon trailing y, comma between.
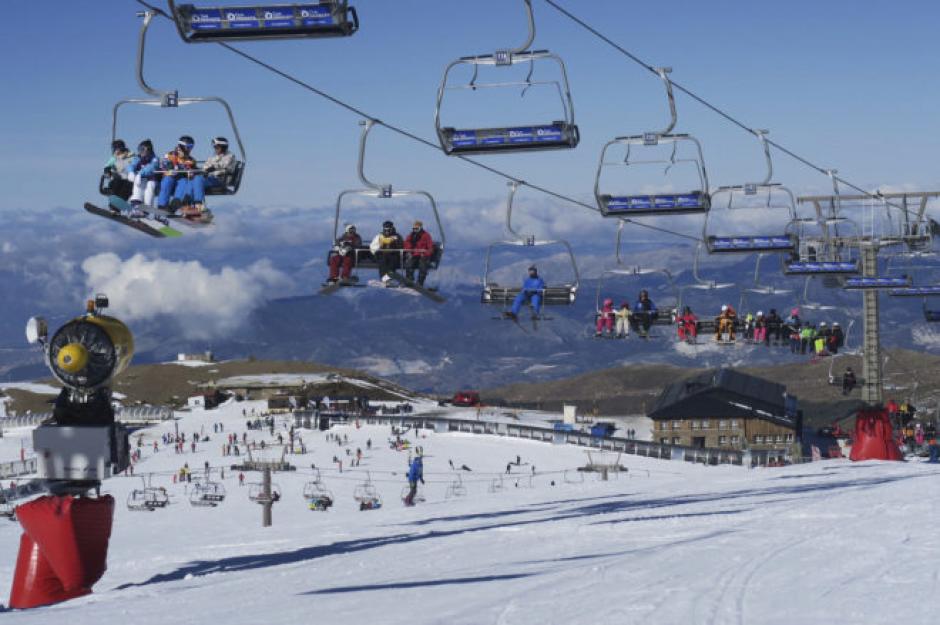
x: 116, y: 170
x: 142, y: 174
x: 419, y: 247
x: 344, y: 254
x: 415, y: 473
x: 687, y: 325
x: 605, y: 319
x: 644, y: 313
x: 532, y: 289
x: 386, y: 248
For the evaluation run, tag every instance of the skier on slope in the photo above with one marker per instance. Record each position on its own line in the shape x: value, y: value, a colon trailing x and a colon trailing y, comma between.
x: 605, y: 319
x: 533, y: 288
x: 415, y: 473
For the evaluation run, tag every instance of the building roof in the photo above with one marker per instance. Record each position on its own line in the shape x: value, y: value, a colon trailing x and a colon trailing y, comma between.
x: 726, y: 393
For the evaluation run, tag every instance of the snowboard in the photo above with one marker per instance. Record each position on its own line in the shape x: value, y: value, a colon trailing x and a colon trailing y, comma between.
x: 431, y: 294
x: 147, y: 224
x: 186, y: 221
x: 332, y: 287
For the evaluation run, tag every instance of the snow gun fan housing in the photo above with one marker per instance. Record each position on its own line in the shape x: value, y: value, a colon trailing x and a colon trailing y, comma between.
x: 87, y: 352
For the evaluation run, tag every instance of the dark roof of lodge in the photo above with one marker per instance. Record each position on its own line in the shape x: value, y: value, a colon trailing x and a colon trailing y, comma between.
x: 724, y: 393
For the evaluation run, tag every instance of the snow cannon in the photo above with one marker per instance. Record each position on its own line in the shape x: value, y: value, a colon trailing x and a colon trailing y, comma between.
x: 873, y: 439
x: 64, y: 546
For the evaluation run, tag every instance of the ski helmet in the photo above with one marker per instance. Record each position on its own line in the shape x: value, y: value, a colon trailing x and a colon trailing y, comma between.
x: 220, y: 141
x: 146, y: 143
x: 760, y: 313
x: 387, y: 225
x: 533, y: 268
x: 608, y: 302
x: 349, y: 228
x: 724, y: 308
x: 187, y: 142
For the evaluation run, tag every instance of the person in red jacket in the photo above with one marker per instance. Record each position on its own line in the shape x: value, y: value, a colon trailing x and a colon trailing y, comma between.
x: 605, y: 319
x: 345, y: 252
x: 687, y: 325
x: 419, y: 248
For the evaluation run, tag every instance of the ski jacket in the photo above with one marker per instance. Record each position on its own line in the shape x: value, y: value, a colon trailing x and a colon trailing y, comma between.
x: 688, y: 318
x: 622, y: 313
x: 382, y: 242
x: 607, y: 310
x: 144, y: 166
x: 416, y: 470
x: 533, y: 285
x: 420, y: 243
x: 347, y: 243
x: 175, y: 161
x: 220, y: 165
x: 644, y: 305
x: 119, y: 162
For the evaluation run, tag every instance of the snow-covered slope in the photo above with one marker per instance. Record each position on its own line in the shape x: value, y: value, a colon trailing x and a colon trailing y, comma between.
x: 668, y: 543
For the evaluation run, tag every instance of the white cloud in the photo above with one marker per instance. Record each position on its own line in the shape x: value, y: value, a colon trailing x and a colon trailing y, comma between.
x: 205, y: 303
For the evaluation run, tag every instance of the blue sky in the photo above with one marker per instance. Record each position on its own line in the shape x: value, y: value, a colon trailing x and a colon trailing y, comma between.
x: 848, y: 84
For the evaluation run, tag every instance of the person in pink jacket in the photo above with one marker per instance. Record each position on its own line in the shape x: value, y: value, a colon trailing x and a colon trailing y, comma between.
x: 605, y: 319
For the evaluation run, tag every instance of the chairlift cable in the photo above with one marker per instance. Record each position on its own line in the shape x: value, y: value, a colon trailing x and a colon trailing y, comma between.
x: 408, y: 134
x: 712, y: 107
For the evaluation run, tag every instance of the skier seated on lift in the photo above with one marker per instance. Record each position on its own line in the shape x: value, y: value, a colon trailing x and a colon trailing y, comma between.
x: 760, y: 327
x: 415, y: 473
x: 142, y: 172
x: 116, y: 170
x: 532, y: 289
x: 217, y: 170
x: 386, y: 249
x: 605, y: 319
x: 644, y: 313
x: 177, y: 166
x: 622, y: 317
x: 419, y: 247
x: 774, y: 328
x: 345, y: 248
x: 687, y: 325
x: 836, y: 338
x: 724, y: 323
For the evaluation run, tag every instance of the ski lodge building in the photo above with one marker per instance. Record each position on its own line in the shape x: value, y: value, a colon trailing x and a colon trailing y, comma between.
x: 726, y: 409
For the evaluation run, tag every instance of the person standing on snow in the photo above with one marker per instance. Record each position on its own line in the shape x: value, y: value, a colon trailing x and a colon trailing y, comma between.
x: 415, y: 473
x: 605, y: 319
x: 419, y: 247
x: 532, y: 289
x: 386, y: 249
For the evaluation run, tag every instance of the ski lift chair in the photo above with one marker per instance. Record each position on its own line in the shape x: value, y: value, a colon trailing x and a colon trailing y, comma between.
x: 685, y: 201
x: 171, y: 99
x: 556, y: 294
x: 207, y: 494
x: 317, y: 496
x: 419, y: 494
x: 559, y: 134
x: 147, y: 498
x: 828, y: 244
x: 742, y: 199
x: 366, y: 495
x: 256, y: 492
x: 926, y: 292
x: 456, y: 488
x: 496, y: 485
x: 313, y: 19
x: 363, y: 258
x: 667, y: 312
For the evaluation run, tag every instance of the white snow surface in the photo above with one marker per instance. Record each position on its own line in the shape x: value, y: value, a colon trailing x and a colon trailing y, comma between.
x: 32, y: 387
x: 673, y: 543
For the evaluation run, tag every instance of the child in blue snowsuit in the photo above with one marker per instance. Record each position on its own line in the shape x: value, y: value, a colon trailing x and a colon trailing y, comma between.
x: 532, y: 290
x: 415, y: 473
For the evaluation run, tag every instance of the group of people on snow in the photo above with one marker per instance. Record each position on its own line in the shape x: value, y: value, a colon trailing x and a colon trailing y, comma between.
x: 390, y: 251
x: 174, y: 182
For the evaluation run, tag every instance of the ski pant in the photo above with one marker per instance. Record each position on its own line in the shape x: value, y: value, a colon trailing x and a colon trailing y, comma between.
x: 178, y: 186
x: 622, y: 326
x: 199, y: 184
x: 644, y: 320
x: 934, y: 453
x: 337, y: 261
x: 687, y: 331
x: 387, y: 262
x: 143, y: 189
x: 412, y: 491
x: 760, y: 334
x: 605, y: 321
x: 794, y: 344
x: 723, y: 326
x: 534, y: 299
x: 420, y: 263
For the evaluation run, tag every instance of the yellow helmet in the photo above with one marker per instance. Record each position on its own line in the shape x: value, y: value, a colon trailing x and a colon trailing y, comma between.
x: 72, y: 358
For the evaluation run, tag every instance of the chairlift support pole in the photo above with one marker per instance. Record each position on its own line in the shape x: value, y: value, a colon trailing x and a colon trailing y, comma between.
x: 873, y: 385
x: 268, y: 501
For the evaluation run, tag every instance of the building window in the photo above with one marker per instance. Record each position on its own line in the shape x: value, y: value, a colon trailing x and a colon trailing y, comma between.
x: 758, y: 439
x: 722, y: 424
x: 676, y: 425
x: 722, y: 440
x: 734, y: 424
x: 663, y: 425
x: 790, y: 438
x: 735, y: 440
x: 664, y: 441
x: 694, y: 424
x: 676, y: 440
x: 778, y: 438
x: 704, y: 424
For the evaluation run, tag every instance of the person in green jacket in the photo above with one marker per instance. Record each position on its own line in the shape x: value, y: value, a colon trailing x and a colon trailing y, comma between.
x: 807, y: 333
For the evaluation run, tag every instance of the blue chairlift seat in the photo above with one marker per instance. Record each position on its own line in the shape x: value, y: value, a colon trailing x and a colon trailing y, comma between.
x: 877, y: 282
x: 821, y: 268
x: 329, y: 18
x: 660, y: 204
x: 553, y: 136
x: 782, y: 243
x: 915, y: 291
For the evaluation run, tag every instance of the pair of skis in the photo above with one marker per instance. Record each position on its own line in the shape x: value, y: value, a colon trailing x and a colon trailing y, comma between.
x: 156, y: 224
x: 431, y: 294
